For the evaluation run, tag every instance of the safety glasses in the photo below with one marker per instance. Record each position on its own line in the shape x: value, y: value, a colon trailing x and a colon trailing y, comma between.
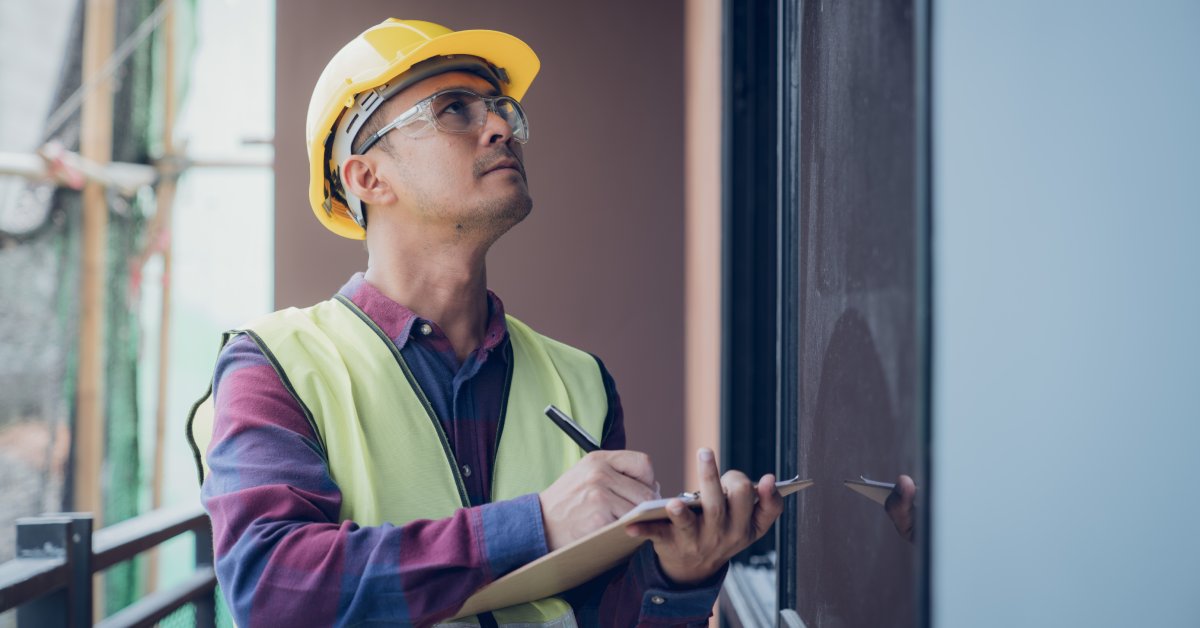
x: 454, y: 111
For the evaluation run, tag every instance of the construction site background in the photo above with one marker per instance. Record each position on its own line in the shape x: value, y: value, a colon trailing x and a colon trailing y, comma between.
x: 196, y: 254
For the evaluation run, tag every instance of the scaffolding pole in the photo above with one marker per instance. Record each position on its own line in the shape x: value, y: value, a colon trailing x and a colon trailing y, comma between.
x: 95, y: 143
x: 96, y: 146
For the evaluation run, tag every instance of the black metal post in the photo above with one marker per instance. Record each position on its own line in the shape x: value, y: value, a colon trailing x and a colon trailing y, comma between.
x: 80, y: 591
x: 67, y: 536
x: 206, y: 605
x: 748, y: 255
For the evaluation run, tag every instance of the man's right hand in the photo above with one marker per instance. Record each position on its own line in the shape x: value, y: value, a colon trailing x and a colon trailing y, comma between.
x: 595, y: 492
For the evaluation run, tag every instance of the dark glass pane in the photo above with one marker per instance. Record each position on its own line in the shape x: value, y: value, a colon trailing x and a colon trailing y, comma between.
x: 859, y: 374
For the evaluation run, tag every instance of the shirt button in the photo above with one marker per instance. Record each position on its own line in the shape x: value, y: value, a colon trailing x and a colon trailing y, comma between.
x: 466, y: 470
x: 659, y: 600
x: 426, y: 329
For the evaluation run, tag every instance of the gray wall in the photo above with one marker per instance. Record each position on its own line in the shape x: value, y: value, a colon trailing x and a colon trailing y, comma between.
x: 599, y: 262
x: 1066, y: 214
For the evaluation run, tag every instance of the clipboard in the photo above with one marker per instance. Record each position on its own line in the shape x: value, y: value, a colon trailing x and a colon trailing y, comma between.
x: 871, y: 489
x: 572, y: 565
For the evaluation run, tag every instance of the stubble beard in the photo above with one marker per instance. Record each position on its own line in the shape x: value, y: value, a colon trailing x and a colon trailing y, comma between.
x: 497, y: 214
x: 487, y: 220
x: 500, y: 213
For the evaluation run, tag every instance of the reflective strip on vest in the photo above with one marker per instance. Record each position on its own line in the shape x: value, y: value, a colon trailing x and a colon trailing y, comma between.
x: 375, y: 423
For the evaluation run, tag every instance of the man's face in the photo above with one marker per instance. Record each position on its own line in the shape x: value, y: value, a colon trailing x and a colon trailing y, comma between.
x: 453, y: 179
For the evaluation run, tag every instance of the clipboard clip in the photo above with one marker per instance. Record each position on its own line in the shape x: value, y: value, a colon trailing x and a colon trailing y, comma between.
x: 693, y: 496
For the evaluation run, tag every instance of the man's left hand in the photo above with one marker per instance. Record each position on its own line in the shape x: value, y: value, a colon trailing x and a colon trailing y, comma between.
x: 693, y: 546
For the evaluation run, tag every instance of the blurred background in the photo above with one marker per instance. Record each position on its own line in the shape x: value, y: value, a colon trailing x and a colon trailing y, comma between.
x: 118, y: 334
x: 833, y: 239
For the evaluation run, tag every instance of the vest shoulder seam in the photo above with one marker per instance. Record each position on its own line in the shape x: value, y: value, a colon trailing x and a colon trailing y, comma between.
x: 287, y: 383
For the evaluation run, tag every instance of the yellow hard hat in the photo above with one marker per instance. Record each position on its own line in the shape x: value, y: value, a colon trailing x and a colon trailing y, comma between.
x: 359, y: 79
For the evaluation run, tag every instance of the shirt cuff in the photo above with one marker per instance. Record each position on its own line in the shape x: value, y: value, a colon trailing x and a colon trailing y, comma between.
x: 664, y: 602
x: 513, y: 534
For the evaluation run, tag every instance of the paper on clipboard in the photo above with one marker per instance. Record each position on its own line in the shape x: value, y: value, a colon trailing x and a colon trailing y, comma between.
x: 586, y: 558
x: 871, y: 489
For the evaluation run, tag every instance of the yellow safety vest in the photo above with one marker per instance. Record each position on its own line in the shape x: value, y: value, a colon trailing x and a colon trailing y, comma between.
x: 384, y: 445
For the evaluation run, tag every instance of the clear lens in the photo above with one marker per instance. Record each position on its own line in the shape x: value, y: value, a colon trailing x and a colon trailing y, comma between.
x: 460, y: 111
x: 512, y: 113
x: 465, y: 112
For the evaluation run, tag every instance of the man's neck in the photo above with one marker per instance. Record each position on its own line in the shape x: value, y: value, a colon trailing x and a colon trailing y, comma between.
x: 445, y: 285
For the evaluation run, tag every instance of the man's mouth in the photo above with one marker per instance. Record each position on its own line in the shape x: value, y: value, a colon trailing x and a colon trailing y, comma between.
x: 506, y: 164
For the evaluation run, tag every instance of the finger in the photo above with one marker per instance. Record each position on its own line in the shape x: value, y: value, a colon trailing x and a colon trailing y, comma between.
x: 908, y: 488
x: 657, y: 531
x: 902, y: 496
x: 681, y: 521
x: 712, y: 497
x: 629, y: 491
x: 899, y: 506
x: 634, y: 464
x: 684, y: 522
x: 902, y: 519
x: 769, y: 506
x: 739, y: 499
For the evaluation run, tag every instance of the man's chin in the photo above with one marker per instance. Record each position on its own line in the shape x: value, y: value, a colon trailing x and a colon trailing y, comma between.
x: 502, y: 212
x: 516, y: 210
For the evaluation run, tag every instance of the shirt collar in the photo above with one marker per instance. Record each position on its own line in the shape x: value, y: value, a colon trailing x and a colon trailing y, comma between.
x: 399, y: 322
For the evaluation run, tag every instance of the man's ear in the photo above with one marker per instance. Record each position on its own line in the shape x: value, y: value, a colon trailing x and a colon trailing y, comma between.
x: 360, y: 175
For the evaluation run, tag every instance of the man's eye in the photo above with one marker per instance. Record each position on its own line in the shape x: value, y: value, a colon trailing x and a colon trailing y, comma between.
x: 456, y: 107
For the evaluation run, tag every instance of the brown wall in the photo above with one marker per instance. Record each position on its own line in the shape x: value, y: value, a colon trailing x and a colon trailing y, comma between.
x: 599, y: 263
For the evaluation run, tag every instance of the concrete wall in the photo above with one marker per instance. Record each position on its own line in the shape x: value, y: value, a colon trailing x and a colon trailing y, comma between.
x: 599, y: 263
x: 1066, y: 299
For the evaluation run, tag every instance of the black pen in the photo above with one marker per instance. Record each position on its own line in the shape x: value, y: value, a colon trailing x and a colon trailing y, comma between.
x: 577, y: 434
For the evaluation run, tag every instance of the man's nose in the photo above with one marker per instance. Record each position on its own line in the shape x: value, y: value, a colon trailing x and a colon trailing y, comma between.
x: 496, y: 129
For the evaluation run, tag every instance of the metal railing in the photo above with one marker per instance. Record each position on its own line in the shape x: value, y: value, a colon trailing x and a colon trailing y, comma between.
x: 50, y: 580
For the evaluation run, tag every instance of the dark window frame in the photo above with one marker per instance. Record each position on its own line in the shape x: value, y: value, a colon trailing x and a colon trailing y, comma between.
x: 760, y: 196
x: 749, y: 260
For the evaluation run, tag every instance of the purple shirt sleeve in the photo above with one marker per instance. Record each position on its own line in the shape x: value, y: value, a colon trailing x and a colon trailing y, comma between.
x: 283, y: 557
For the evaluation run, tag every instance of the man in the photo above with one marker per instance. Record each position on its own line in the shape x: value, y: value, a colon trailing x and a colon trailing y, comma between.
x: 378, y: 457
